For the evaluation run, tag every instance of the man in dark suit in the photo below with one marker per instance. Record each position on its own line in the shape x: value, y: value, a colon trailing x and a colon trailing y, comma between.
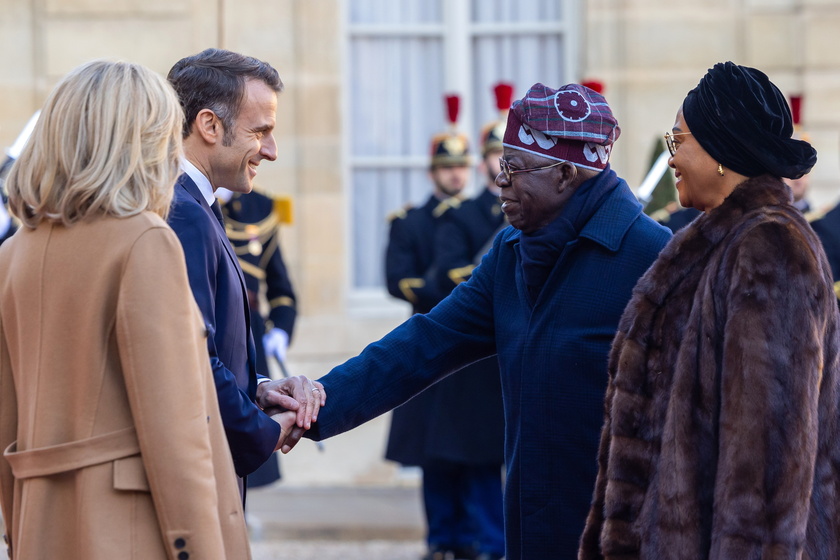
x: 457, y: 443
x: 230, y: 102
x: 546, y: 300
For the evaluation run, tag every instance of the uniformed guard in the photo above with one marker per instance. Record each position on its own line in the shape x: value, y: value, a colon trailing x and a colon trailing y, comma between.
x: 252, y: 223
x: 468, y: 231
x: 825, y: 221
x: 827, y: 227
x: 8, y: 226
x: 429, y: 431
x: 410, y: 252
x: 475, y: 436
x: 799, y: 187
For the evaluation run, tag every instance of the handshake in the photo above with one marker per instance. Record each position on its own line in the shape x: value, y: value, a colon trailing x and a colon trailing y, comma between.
x: 292, y: 402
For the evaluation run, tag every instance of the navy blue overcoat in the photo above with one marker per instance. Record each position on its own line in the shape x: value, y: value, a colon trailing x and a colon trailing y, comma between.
x: 553, y: 358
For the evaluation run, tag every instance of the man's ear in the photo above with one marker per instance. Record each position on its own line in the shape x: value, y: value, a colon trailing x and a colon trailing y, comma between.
x: 568, y: 175
x: 208, y: 126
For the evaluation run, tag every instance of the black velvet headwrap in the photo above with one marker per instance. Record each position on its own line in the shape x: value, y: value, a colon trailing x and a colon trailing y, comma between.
x: 743, y: 121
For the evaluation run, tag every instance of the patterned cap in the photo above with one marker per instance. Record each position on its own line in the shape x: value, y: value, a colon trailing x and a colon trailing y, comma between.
x: 573, y: 123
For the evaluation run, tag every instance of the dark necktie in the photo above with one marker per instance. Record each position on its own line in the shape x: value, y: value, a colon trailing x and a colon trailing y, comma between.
x: 217, y: 211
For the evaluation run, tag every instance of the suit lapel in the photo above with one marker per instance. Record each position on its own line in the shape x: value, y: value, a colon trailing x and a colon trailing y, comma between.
x: 191, y: 188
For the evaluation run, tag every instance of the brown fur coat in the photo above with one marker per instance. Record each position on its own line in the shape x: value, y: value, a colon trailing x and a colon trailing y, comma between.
x: 720, y: 437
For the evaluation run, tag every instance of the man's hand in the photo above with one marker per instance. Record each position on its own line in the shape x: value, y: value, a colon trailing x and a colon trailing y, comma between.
x: 290, y: 433
x: 298, y: 393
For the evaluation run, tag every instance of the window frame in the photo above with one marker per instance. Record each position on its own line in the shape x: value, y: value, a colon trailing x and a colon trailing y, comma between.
x: 458, y: 34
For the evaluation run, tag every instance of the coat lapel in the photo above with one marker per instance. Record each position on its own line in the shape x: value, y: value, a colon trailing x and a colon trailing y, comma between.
x: 191, y: 188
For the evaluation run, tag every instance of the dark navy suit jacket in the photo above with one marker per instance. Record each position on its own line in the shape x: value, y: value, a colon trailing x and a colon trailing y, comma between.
x: 553, y: 360
x: 219, y: 289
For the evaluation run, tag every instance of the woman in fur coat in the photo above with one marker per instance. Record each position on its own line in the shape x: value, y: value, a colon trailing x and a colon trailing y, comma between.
x: 720, y: 437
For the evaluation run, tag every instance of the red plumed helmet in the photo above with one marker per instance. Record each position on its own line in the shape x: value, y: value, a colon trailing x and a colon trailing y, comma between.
x: 504, y: 95
x: 594, y: 85
x: 453, y: 106
x: 796, y: 109
x: 451, y: 147
x: 492, y: 133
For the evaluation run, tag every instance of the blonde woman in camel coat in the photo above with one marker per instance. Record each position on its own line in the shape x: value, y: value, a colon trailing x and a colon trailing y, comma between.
x: 108, y: 416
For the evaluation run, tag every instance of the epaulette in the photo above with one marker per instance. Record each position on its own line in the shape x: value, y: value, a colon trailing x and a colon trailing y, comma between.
x: 400, y: 213
x: 458, y: 275
x: 284, y: 209
x: 445, y: 205
x: 662, y: 216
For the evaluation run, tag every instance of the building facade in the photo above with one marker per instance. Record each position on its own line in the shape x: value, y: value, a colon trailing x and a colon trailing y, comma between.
x: 365, y: 81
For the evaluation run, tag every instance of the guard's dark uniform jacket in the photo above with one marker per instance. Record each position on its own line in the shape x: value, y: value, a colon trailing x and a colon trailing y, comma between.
x: 4, y: 169
x: 251, y: 224
x: 677, y: 220
x: 410, y: 254
x: 460, y: 419
x: 828, y: 230
x: 464, y: 236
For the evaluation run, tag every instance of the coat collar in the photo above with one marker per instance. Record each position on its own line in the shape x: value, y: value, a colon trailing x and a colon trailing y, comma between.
x: 691, y: 246
x: 192, y: 189
x: 200, y: 179
x: 609, y: 224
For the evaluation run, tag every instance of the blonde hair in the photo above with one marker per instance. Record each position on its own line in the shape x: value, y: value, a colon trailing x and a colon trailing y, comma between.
x: 108, y: 141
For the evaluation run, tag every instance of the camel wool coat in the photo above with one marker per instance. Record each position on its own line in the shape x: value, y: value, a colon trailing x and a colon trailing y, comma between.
x: 114, y: 447
x: 720, y: 438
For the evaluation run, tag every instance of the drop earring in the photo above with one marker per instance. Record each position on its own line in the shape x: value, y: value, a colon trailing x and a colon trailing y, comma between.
x: 720, y: 169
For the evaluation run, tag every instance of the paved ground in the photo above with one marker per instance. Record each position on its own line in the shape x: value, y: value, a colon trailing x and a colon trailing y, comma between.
x: 337, y: 550
x: 344, y: 523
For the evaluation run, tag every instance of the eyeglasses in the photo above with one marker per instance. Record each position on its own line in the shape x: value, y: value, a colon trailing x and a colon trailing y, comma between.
x: 669, y: 141
x: 511, y: 171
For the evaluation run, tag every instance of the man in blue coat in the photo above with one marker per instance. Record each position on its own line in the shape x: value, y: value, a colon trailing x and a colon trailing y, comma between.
x: 546, y: 299
x: 230, y: 102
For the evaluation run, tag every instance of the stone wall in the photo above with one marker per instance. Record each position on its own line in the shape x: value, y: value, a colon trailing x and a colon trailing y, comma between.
x: 648, y: 54
x: 651, y: 54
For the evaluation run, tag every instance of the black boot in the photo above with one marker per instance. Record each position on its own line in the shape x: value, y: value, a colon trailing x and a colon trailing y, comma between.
x: 464, y: 553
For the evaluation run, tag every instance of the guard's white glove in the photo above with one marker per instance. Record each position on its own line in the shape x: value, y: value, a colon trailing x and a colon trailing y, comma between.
x: 276, y: 342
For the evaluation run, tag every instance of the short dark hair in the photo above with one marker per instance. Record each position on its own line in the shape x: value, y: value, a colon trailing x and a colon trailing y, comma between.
x: 215, y: 79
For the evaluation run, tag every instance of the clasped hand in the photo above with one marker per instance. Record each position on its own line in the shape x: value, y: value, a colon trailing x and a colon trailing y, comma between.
x: 292, y: 402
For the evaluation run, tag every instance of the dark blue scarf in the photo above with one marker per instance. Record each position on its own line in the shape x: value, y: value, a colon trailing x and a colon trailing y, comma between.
x: 541, y: 249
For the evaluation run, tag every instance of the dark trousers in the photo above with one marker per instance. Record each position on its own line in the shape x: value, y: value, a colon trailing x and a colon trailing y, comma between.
x: 464, y: 506
x: 269, y: 471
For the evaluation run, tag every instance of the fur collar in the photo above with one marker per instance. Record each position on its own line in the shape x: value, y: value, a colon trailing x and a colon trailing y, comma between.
x: 691, y: 246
